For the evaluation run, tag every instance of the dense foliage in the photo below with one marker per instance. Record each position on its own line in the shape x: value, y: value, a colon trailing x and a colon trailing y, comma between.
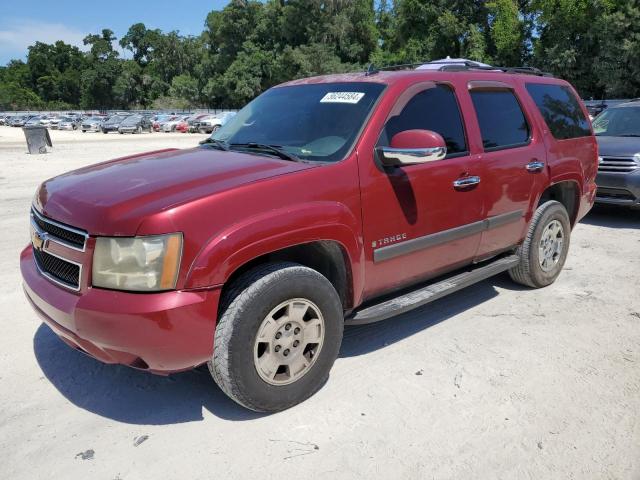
x: 251, y: 45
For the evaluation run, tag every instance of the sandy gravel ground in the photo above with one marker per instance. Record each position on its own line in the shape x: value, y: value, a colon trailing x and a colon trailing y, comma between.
x: 493, y: 382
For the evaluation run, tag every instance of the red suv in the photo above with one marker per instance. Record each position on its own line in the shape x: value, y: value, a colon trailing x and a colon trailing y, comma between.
x: 328, y: 201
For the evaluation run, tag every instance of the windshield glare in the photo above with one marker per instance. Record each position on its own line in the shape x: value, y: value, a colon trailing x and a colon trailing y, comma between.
x: 317, y: 122
x: 618, y: 122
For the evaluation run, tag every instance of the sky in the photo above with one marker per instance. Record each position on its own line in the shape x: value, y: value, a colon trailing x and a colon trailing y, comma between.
x: 23, y: 22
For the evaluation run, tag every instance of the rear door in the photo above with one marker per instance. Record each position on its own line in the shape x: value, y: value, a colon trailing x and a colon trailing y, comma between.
x: 513, y: 163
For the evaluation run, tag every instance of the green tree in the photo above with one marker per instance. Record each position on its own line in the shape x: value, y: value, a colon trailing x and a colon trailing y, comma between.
x: 185, y: 87
x: 507, y: 32
x: 103, y: 67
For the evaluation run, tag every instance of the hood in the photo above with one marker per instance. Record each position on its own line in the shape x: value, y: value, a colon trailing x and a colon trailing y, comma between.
x: 114, y: 197
x: 618, y: 146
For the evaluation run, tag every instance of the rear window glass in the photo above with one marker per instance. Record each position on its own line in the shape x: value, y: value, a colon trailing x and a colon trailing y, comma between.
x: 501, y: 120
x: 560, y: 110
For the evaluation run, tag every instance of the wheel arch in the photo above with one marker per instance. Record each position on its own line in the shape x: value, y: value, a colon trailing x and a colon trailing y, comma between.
x: 327, y: 257
x: 566, y: 192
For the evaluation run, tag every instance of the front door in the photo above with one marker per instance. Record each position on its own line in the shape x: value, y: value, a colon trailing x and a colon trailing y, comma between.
x: 417, y: 223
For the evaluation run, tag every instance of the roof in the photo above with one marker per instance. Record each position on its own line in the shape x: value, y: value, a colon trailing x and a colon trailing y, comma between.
x: 436, y: 70
x: 389, y: 77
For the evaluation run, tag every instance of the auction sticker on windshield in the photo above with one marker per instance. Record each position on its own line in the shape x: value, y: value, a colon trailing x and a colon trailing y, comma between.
x: 342, y: 97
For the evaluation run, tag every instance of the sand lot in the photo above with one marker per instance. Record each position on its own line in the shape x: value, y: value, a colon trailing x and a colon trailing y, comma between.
x: 496, y: 381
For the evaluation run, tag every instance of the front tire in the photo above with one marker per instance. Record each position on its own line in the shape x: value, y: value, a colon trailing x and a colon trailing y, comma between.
x: 278, y: 335
x: 545, y: 248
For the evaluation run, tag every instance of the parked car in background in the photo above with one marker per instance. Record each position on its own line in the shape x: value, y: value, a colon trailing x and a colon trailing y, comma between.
x: 68, y: 123
x: 161, y: 120
x: 193, y: 120
x: 92, y: 124
x: 214, y: 122
x: 47, y: 119
x: 408, y: 186
x: 34, y: 121
x: 135, y: 124
x: 617, y: 130
x: 170, y: 125
x: 17, y: 121
x: 112, y: 123
x: 54, y: 121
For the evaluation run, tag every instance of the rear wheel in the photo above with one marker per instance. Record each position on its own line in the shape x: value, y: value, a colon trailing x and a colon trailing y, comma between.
x: 545, y: 248
x: 278, y: 334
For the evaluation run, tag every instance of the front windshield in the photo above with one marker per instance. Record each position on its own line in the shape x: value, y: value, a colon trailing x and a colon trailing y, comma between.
x: 618, y: 122
x: 316, y: 122
x: 131, y: 120
x: 116, y: 119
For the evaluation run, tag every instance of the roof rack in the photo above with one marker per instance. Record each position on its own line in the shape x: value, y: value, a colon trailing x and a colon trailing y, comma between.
x: 458, y: 66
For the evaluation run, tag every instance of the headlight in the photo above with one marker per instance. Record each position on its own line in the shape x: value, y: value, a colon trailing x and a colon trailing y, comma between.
x: 139, y: 264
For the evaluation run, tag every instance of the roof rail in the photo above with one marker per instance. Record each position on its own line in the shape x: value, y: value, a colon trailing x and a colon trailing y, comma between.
x: 458, y: 66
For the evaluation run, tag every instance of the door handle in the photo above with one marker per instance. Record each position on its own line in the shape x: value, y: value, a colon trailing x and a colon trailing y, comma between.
x: 535, y: 166
x: 466, y: 182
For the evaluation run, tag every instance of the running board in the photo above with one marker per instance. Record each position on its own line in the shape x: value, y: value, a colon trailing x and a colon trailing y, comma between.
x: 434, y: 291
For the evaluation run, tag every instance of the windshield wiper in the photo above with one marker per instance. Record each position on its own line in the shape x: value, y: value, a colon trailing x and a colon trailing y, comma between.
x: 629, y: 135
x: 215, y: 143
x: 275, y: 149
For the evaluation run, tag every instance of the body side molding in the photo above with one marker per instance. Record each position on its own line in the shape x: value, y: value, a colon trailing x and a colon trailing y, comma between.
x: 445, y: 236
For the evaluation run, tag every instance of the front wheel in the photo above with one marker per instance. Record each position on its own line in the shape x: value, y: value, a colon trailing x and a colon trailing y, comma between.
x: 545, y: 248
x: 278, y: 334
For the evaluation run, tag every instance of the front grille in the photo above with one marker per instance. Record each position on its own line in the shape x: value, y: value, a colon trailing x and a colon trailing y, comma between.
x: 618, y: 165
x: 67, y: 234
x: 60, y: 270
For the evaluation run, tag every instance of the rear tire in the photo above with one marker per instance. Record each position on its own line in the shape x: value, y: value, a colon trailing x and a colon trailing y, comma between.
x: 545, y: 248
x: 256, y: 360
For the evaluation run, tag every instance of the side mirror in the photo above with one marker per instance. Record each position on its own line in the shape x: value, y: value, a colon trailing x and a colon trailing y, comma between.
x: 412, y: 147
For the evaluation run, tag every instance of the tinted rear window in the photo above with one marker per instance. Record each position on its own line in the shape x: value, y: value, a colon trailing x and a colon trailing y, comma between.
x: 560, y: 110
x: 501, y: 120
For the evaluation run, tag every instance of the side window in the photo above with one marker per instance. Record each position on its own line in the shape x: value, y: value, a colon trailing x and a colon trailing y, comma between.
x: 560, y: 110
x: 434, y: 109
x: 501, y: 120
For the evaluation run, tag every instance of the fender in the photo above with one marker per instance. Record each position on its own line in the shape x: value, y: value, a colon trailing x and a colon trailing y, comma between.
x: 274, y: 230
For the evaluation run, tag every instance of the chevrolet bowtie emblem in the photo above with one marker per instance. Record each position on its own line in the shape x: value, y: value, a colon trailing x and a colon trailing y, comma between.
x: 37, y: 239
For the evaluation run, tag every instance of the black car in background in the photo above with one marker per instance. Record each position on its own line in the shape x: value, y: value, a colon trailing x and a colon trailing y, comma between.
x: 617, y: 130
x: 113, y: 123
x: 136, y: 124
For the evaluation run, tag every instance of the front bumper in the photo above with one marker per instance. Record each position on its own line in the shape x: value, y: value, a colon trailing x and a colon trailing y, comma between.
x: 161, y: 332
x: 619, y: 189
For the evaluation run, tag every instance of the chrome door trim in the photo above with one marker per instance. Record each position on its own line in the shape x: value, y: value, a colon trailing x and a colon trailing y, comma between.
x: 434, y: 239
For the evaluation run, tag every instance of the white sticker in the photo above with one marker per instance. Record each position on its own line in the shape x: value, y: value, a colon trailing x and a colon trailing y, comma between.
x: 342, y: 97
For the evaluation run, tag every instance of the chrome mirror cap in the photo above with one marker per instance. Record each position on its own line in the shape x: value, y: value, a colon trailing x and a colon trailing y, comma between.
x: 397, y: 157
